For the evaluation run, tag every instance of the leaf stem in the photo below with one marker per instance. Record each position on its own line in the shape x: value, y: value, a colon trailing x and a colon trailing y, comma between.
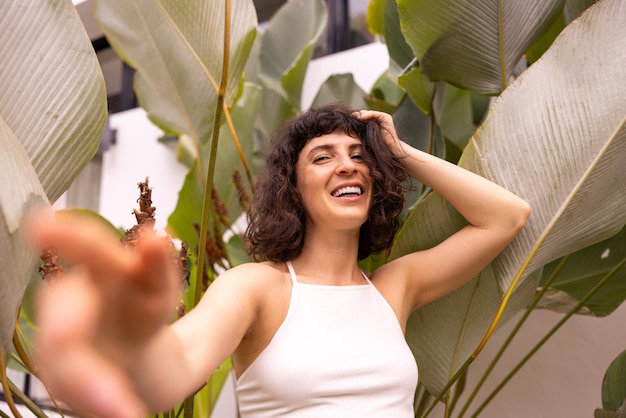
x: 501, y: 44
x: 28, y: 403
x: 6, y: 388
x: 492, y: 327
x: 554, y: 329
x: 208, y: 189
x: 242, y: 156
x: 22, y: 351
x: 514, y: 332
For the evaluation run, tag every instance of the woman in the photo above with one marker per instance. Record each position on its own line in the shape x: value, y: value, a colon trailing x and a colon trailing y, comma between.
x: 309, y: 333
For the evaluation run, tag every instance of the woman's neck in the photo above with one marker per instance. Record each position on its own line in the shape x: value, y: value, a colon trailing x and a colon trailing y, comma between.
x: 330, y: 258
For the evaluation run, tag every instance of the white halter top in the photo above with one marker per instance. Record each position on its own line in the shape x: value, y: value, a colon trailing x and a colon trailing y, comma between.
x: 340, y: 352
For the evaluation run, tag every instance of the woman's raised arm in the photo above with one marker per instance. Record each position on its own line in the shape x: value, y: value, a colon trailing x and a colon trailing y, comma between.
x: 495, y: 217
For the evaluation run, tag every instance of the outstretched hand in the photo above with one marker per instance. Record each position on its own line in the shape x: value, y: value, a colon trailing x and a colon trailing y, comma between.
x: 96, y: 319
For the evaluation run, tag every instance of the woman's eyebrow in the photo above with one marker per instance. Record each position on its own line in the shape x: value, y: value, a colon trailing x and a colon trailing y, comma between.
x: 330, y: 147
x: 318, y: 148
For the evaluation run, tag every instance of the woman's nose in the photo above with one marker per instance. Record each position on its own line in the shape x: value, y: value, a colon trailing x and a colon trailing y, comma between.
x: 346, y: 165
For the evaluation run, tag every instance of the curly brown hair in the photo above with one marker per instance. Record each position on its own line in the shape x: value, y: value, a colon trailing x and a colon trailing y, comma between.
x: 276, y: 218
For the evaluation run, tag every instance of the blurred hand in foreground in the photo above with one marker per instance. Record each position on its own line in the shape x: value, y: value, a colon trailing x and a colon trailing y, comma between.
x: 96, y: 319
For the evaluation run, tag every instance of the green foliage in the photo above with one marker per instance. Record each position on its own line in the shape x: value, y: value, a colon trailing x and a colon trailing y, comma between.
x: 177, y: 53
x: 614, y: 384
x: 486, y: 39
x: 52, y: 112
x: 582, y: 271
x: 554, y: 135
x: 573, y: 167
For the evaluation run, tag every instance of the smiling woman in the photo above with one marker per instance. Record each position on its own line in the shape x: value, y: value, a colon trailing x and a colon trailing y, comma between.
x: 319, y: 141
x: 310, y: 334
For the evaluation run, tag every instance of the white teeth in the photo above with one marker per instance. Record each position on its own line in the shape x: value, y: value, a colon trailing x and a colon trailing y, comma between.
x: 352, y: 190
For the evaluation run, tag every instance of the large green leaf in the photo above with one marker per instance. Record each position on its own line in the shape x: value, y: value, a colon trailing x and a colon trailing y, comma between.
x: 403, y: 66
x: 21, y: 190
x: 400, y: 53
x: 177, y: 48
x: 288, y: 44
x: 454, y: 112
x: 474, y: 44
x: 582, y: 272
x: 189, y: 205
x: 340, y: 88
x: 52, y: 112
x: 557, y: 138
x: 52, y: 93
x: 614, y: 384
x: 571, y: 10
x: 229, y: 161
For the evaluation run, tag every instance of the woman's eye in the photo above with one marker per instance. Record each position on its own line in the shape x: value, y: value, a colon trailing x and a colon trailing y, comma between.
x: 358, y: 157
x: 320, y: 159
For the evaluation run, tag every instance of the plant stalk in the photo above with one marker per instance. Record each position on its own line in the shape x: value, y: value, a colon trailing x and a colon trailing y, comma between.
x: 554, y: 329
x: 242, y: 156
x: 208, y: 188
x: 28, y: 403
x: 501, y: 44
x: 6, y: 386
x: 513, y: 333
x: 492, y: 327
x: 22, y: 351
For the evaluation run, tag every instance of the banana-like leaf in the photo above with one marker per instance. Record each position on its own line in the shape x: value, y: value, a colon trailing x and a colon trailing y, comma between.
x: 21, y: 192
x: 614, y: 385
x: 189, y: 205
x: 571, y: 10
x: 230, y: 159
x: 454, y: 112
x: 288, y: 44
x: 383, y: 19
x: 375, y: 17
x: 177, y: 48
x: 52, y: 112
x: 474, y: 44
x: 340, y: 88
x: 385, y: 94
x: 556, y: 137
x: 52, y: 93
x: 582, y: 272
x: 400, y: 53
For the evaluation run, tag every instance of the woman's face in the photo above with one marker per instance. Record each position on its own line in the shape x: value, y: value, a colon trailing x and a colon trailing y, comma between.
x: 334, y: 182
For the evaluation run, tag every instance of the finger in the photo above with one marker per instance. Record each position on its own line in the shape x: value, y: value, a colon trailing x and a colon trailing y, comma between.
x: 370, y: 114
x: 155, y: 266
x: 89, y: 384
x: 83, y: 241
x: 67, y: 311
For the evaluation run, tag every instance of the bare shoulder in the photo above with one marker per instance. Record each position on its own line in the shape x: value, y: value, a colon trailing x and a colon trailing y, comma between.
x: 250, y: 280
x: 252, y: 274
x: 243, y: 292
x: 263, y: 292
x: 393, y: 273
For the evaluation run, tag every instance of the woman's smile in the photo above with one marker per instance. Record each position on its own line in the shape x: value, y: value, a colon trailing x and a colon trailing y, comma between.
x: 332, y: 166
